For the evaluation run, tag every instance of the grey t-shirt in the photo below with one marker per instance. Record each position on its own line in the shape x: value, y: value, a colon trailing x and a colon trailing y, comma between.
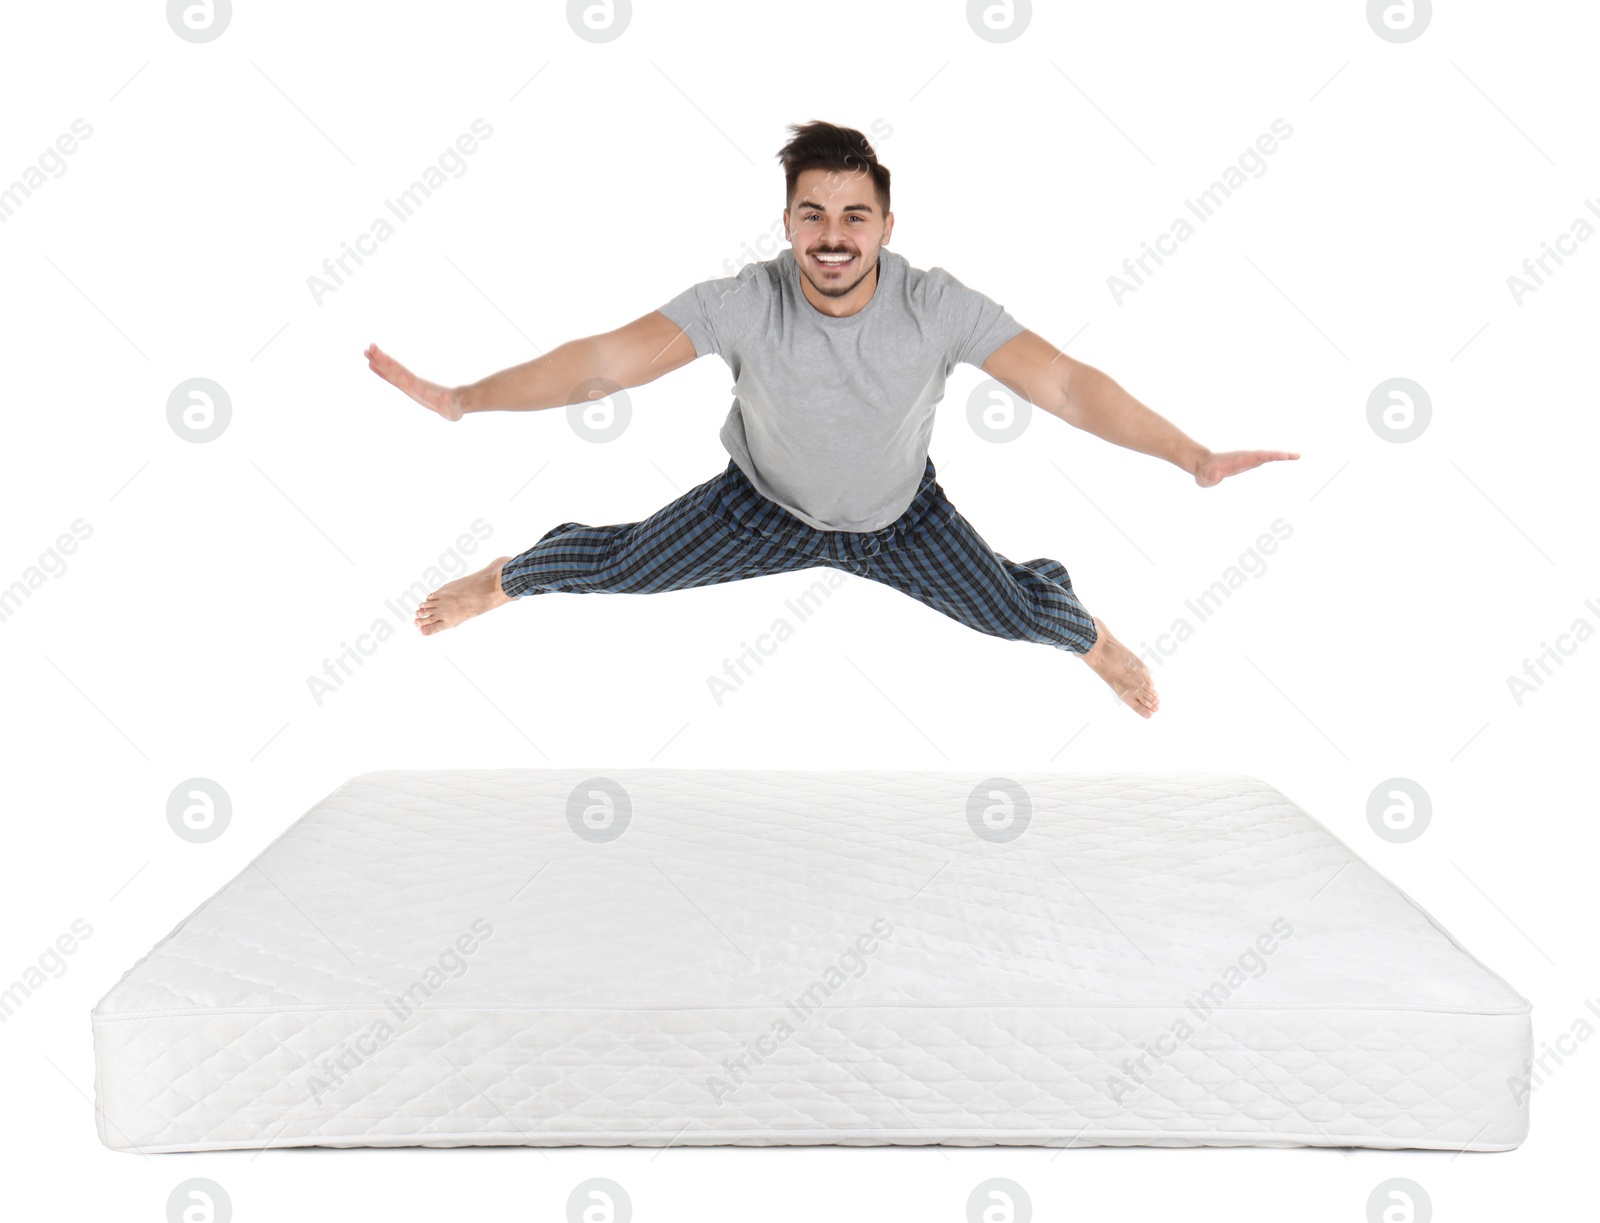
x: 832, y: 416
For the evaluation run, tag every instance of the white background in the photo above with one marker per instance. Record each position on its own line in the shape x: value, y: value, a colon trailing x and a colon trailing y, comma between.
x: 218, y: 577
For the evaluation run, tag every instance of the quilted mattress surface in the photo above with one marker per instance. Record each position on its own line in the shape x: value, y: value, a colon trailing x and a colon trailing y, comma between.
x: 724, y: 956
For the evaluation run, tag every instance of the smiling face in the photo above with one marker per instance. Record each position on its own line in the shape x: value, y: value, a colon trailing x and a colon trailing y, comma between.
x: 835, y: 229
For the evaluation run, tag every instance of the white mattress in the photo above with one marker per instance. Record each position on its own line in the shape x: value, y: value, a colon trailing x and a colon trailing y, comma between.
x: 788, y: 957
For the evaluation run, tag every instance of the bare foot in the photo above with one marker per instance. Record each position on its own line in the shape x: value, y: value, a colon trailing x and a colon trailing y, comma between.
x: 463, y: 599
x: 1123, y: 670
x: 444, y: 400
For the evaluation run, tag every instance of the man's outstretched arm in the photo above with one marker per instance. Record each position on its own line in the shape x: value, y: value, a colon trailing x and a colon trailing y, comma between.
x: 629, y: 356
x: 1091, y: 400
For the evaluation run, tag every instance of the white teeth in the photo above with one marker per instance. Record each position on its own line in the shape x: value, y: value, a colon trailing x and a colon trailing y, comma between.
x: 835, y: 258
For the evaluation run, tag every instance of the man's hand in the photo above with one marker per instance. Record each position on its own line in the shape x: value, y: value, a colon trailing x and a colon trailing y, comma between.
x: 441, y: 399
x: 1215, y: 468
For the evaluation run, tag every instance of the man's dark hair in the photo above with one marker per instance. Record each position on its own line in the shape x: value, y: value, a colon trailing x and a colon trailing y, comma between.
x: 824, y: 146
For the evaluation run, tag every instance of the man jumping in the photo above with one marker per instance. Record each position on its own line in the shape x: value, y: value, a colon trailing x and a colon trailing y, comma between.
x: 839, y: 350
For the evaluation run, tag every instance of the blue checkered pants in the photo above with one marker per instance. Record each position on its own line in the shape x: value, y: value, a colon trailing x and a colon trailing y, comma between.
x: 724, y: 530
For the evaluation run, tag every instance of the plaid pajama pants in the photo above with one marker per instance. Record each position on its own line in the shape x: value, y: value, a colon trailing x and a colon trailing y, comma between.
x: 725, y: 530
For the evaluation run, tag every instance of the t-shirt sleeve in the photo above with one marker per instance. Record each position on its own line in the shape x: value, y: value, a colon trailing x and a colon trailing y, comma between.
x: 972, y: 325
x: 717, y: 313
